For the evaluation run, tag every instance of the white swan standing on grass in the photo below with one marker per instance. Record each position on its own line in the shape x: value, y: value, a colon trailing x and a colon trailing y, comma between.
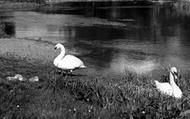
x: 67, y: 63
x: 170, y: 88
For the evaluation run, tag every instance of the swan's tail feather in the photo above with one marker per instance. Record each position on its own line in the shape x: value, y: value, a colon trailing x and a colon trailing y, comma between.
x: 83, y: 66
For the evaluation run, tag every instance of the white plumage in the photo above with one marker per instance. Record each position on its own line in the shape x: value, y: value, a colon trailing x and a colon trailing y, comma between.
x: 170, y: 88
x: 164, y: 88
x: 67, y: 62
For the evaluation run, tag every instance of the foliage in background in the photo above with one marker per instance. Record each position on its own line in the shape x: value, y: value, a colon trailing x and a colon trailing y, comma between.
x: 29, y: 1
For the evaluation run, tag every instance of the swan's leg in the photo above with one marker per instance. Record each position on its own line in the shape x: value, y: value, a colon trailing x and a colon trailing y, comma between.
x: 70, y: 71
x: 57, y: 70
x: 64, y: 72
x: 66, y: 75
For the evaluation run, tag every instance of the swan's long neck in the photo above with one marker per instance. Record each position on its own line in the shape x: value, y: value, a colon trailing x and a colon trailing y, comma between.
x: 172, y: 82
x: 62, y: 54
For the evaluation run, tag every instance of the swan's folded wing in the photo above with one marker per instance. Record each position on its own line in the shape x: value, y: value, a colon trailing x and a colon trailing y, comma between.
x: 70, y: 62
x: 164, y: 88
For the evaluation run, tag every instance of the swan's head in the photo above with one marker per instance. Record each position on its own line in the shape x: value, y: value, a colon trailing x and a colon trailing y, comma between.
x: 59, y: 45
x: 174, y: 71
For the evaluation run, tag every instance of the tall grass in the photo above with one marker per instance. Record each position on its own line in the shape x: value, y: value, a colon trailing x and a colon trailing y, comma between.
x: 132, y: 97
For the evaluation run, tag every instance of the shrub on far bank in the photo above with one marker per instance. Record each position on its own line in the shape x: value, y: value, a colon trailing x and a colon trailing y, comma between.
x: 29, y: 1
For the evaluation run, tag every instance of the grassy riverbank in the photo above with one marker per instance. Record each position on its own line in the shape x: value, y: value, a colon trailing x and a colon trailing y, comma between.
x: 82, y: 97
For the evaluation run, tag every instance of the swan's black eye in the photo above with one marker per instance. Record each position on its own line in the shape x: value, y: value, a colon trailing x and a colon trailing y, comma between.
x: 175, y: 74
x: 55, y: 48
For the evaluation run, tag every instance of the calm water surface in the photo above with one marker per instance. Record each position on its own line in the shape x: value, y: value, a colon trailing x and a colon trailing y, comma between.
x: 109, y: 39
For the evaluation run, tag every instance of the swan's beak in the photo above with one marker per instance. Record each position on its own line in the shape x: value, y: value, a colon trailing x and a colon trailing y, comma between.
x: 175, y: 75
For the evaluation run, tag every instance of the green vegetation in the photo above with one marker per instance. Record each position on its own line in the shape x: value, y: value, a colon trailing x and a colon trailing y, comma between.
x: 82, y: 97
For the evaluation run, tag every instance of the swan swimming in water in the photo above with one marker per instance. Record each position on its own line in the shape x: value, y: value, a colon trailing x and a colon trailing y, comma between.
x: 170, y: 88
x: 67, y: 63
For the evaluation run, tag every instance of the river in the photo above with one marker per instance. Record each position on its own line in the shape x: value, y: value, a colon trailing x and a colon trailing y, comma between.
x: 109, y: 38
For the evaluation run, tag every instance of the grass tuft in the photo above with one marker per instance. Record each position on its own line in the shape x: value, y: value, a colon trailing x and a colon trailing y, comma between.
x: 133, y: 96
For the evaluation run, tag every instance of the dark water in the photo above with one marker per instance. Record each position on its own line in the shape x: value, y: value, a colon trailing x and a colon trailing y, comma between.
x: 109, y: 37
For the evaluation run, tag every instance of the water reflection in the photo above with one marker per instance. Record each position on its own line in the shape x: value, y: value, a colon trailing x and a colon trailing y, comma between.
x: 109, y: 39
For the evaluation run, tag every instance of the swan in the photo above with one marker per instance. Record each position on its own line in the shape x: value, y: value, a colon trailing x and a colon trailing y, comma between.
x: 170, y: 88
x: 67, y: 63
